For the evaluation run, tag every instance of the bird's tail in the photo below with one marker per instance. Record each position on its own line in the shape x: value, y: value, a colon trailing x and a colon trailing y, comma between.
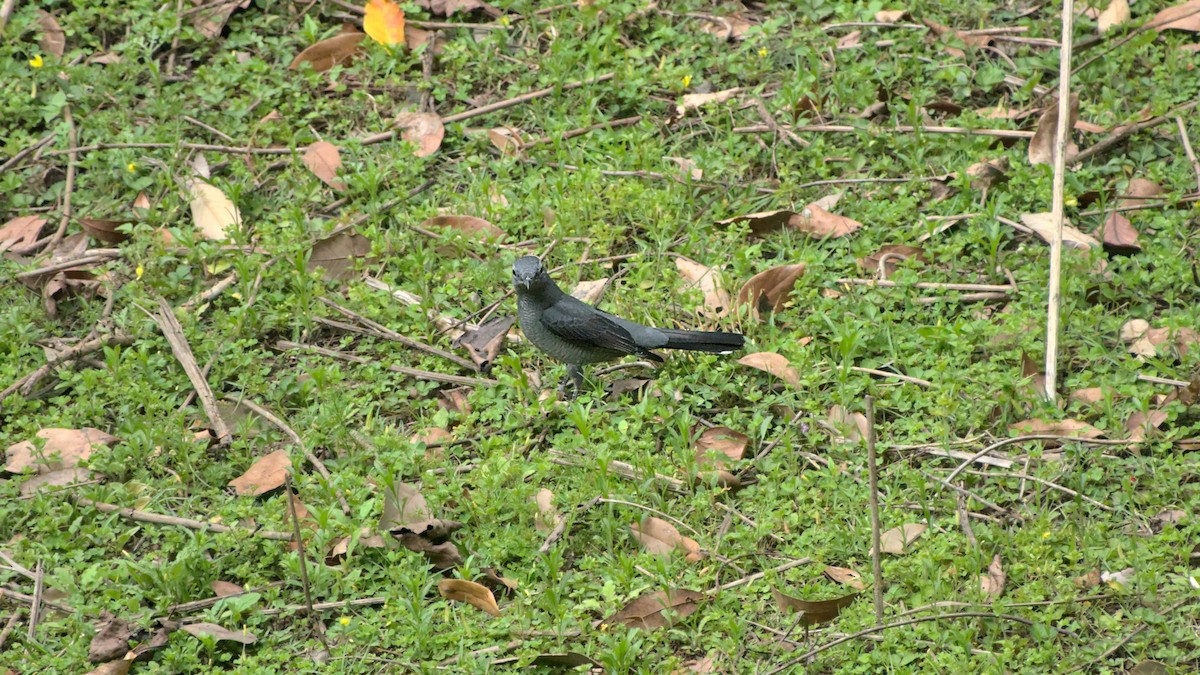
x: 716, y: 342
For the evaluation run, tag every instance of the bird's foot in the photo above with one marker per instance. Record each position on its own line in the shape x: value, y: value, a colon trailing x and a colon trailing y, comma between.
x: 574, y: 378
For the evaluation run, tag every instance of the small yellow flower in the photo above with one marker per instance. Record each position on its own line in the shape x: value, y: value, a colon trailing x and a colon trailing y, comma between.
x: 687, y: 81
x: 140, y: 271
x: 1070, y: 201
x: 1046, y: 535
x: 345, y: 621
x: 762, y: 52
x: 131, y: 167
x: 36, y: 62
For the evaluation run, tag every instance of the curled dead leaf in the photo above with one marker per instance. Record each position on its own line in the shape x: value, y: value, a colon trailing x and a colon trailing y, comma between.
x: 423, y: 130
x: 467, y: 225
x: 897, y: 540
x: 1118, y: 235
x: 659, y: 537
x: 20, y: 233
x: 53, y: 39
x: 658, y: 609
x: 1184, y: 17
x: 814, y: 611
x: 324, y: 160
x: 265, y: 474
x: 992, y: 583
x: 884, y: 262
x: 334, y: 51
x: 335, y: 255
x: 818, y: 222
x: 590, y: 291
x: 63, y: 449
x: 691, y: 102
x: 716, y: 298
x: 1041, y: 146
x: 1068, y: 427
x: 845, y: 576
x: 775, y: 364
x: 852, y: 425
x: 1116, y: 14
x: 770, y: 289
x: 1042, y: 225
x: 987, y: 173
x: 547, y: 517
x: 476, y: 595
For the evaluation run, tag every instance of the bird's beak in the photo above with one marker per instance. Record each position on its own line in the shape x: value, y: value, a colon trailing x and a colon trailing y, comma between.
x: 523, y: 282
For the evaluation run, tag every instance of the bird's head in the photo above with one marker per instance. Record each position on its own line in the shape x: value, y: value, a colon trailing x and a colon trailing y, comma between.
x: 528, y: 274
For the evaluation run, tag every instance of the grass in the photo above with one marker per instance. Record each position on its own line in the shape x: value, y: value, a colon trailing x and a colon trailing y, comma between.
x: 361, y: 418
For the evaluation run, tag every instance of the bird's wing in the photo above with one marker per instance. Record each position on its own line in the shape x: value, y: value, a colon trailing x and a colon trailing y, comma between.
x: 578, y: 322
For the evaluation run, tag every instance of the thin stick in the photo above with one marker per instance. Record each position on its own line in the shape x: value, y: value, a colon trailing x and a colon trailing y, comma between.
x: 159, y: 519
x: 1187, y: 148
x: 323, y: 606
x: 660, y: 514
x: 1141, y: 627
x: 173, y: 332
x: 388, y: 334
x: 1163, y: 380
x: 35, y: 608
x: 69, y: 188
x: 1033, y: 437
x: 908, y: 622
x: 411, y: 372
x: 1062, y: 135
x: 308, y: 603
x: 873, y: 475
x: 900, y: 129
x: 93, y: 257
x: 1065, y: 490
x: 27, y: 151
x: 561, y: 528
x: 930, y: 285
x: 282, y: 426
x: 8, y: 627
x: 758, y: 575
x: 26, y: 384
x: 898, y: 376
x: 1124, y: 132
x: 747, y: 520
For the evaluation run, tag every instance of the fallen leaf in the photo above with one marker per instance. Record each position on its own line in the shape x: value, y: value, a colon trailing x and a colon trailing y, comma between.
x: 845, y: 576
x: 324, y: 160
x: 716, y: 298
x: 20, y: 234
x: 1114, y: 15
x: 63, y: 449
x: 209, y: 18
x: 1118, y: 235
x: 890, y: 255
x: 590, y: 291
x: 987, y: 173
x: 212, y: 211
x: 335, y: 255
x: 717, y: 444
x: 1168, y: 517
x: 219, y: 633
x: 770, y: 289
x: 508, y: 141
x: 648, y: 612
x: 1089, y: 580
x: 1119, y: 579
x: 450, y: 7
x: 559, y: 661
x: 818, y: 222
x: 775, y: 364
x: 1088, y: 396
x: 330, y: 52
x: 1042, y: 225
x: 1151, y: 667
x: 469, y: 225
x: 890, y: 15
x: 731, y: 28
x: 1068, y: 427
x: 112, y: 637
x: 897, y: 540
x: 455, y: 400
x: 265, y: 474
x: 476, y: 595
x: 423, y: 130
x: 384, y: 22
x: 1033, y: 376
x: 1140, y: 424
x: 104, y: 230
x: 224, y: 589
x: 814, y: 611
x: 849, y: 40
x: 484, y: 342
x: 1185, y: 17
x: 1140, y: 191
x: 687, y: 167
x: 1041, y: 146
x: 53, y: 39
x: 763, y: 222
x: 659, y: 537
x: 57, y: 478
x: 1134, y: 333
x: 853, y: 425
x: 992, y: 583
x: 691, y: 102
x: 547, y: 518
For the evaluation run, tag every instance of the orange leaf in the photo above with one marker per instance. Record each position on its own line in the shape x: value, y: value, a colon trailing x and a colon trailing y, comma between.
x: 384, y: 22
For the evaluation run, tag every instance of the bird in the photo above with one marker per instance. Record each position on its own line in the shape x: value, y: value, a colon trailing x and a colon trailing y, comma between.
x: 576, y: 333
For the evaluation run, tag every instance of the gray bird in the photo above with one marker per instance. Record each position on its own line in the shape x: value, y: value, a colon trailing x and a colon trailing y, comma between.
x: 574, y: 332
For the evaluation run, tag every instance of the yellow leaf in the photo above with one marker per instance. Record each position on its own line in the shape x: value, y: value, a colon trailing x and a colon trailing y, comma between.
x: 384, y: 22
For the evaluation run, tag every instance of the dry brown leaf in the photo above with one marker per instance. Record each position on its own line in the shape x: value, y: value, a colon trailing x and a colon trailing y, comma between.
x: 53, y: 39
x: 507, y: 140
x: 648, y: 612
x: 57, y: 478
x: 891, y: 255
x: 728, y: 28
x: 687, y: 168
x: 818, y: 222
x: 992, y: 583
x: 476, y: 595
x: 209, y: 18
x: 775, y: 364
x: 483, y: 343
x: 1041, y: 146
x: 63, y: 449
x: 890, y: 15
x: 987, y: 173
x: 558, y: 661
x: 1135, y: 335
x: 897, y: 540
x: 770, y: 289
x: 590, y: 291
x: 845, y: 576
x: 1118, y: 235
x: 849, y: 40
x: 324, y: 160
x: 405, y: 506
x: 693, y: 101
x: 717, y: 444
x: 450, y: 7
x: 547, y: 518
x: 815, y: 611
x: 1088, y: 396
x: 1139, y: 191
x: 20, y: 233
x: 423, y: 130
x: 104, y: 230
x: 716, y: 298
x: 1043, y: 225
x: 1140, y: 424
x: 467, y: 225
x: 659, y: 537
x: 112, y: 637
x: 455, y: 400
x: 1068, y: 427
x: 219, y: 633
x: 265, y: 474
x: 224, y: 589
x: 853, y: 425
x: 335, y: 255
x: 763, y: 222
x: 213, y: 212
x: 334, y: 51
x: 1114, y: 15
x: 1185, y: 17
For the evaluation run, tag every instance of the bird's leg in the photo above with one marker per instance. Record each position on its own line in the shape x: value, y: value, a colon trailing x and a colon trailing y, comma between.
x: 575, y: 375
